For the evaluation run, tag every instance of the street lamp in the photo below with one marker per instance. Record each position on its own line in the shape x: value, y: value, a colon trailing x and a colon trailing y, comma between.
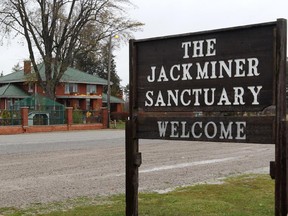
x: 109, y: 68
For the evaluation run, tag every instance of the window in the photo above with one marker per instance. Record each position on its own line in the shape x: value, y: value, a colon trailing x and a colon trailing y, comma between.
x: 71, y: 88
x: 91, y: 89
x: 30, y: 87
x: 9, y: 104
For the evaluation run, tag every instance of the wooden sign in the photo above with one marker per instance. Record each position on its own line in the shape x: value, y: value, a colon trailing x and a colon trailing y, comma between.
x: 218, y: 129
x: 226, y: 85
x: 225, y: 70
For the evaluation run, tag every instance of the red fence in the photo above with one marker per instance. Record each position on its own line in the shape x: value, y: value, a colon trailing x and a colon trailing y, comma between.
x: 25, y: 128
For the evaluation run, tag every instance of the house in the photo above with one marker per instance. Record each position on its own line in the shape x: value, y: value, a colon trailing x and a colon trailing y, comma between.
x: 76, y: 89
x: 116, y: 103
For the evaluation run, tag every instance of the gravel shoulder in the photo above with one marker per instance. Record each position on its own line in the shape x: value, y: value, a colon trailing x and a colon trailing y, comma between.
x: 57, y: 166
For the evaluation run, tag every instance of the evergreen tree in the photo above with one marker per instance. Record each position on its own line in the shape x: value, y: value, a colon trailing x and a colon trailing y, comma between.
x: 16, y: 68
x: 97, y: 64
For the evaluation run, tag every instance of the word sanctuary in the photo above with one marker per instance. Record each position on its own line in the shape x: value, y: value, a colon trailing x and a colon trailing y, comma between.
x: 201, y: 97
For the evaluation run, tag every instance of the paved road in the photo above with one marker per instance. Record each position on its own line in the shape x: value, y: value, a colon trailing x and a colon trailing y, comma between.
x: 45, y: 167
x: 59, y: 141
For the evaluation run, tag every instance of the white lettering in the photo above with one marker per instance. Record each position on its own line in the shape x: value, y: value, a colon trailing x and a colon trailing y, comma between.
x: 224, y: 98
x: 205, y: 70
x: 173, y: 96
x: 152, y: 77
x: 174, y: 129
x: 227, y: 69
x: 203, y: 97
x: 160, y: 100
x: 239, y: 72
x: 241, y: 135
x: 149, y: 103
x: 213, y: 70
x: 211, y: 102
x: 255, y: 93
x: 199, y: 130
x: 253, y: 67
x: 211, y: 50
x: 198, y: 49
x: 186, y: 45
x: 183, y: 135
x: 162, y: 75
x: 238, y: 96
x: 186, y: 73
x: 197, y: 92
x: 193, y: 130
x: 226, y: 133
x: 172, y: 72
x: 188, y: 91
x: 202, y: 73
x: 214, y: 130
x: 162, y: 126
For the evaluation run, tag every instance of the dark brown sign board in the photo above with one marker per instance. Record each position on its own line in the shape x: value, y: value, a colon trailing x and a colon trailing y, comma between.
x: 234, y: 79
x: 217, y: 129
x: 231, y: 70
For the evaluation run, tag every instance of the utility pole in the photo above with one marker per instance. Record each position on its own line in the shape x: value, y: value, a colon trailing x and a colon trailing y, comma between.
x: 109, y: 79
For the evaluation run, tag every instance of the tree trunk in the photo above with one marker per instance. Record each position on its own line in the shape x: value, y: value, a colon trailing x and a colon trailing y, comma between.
x: 50, y: 90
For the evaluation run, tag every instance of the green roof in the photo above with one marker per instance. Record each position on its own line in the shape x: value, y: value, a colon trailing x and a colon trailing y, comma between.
x: 77, y: 76
x: 113, y: 99
x: 38, y: 100
x: 13, y: 77
x: 71, y: 75
x: 12, y: 91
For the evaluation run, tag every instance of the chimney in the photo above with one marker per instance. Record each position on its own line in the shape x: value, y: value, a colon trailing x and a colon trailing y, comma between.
x: 27, y: 67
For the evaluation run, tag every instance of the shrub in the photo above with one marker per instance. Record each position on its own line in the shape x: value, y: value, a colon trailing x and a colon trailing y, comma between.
x: 123, y: 116
x: 77, y: 116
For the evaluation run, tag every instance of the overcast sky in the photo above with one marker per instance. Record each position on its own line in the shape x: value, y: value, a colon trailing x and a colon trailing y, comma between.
x: 169, y: 17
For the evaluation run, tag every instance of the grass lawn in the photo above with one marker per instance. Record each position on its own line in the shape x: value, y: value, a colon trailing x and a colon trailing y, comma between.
x: 251, y: 195
x: 117, y: 125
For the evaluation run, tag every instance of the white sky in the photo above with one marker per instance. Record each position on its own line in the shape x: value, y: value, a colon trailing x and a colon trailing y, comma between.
x: 169, y: 17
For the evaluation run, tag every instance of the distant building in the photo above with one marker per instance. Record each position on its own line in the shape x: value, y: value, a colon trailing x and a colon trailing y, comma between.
x: 76, y: 89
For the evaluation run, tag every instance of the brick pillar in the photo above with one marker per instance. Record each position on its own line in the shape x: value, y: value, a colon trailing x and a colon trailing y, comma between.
x: 119, y: 107
x: 96, y: 104
x: 24, y: 115
x: 69, y: 116
x: 104, y: 117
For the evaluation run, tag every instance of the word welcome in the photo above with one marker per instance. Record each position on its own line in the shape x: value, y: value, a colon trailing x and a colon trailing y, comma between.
x: 199, y: 130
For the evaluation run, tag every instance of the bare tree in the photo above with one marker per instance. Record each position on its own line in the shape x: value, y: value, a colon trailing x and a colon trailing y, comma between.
x: 59, y: 29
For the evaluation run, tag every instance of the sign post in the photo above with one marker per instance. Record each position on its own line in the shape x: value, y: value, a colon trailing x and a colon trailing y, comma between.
x: 209, y: 86
x: 281, y: 147
x: 133, y: 156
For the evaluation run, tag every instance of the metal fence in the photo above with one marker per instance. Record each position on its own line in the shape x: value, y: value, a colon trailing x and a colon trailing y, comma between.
x: 86, y: 116
x: 47, y: 116
x: 42, y: 110
x: 10, y: 117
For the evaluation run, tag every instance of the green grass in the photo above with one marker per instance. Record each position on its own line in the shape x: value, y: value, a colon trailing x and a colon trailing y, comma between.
x: 118, y: 125
x: 237, y: 196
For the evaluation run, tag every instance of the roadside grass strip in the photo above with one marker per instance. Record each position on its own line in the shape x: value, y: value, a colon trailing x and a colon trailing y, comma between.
x: 251, y: 194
